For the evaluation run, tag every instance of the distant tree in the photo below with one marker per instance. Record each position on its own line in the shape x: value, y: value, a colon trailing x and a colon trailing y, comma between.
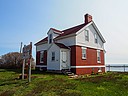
x: 1, y: 61
x: 12, y: 60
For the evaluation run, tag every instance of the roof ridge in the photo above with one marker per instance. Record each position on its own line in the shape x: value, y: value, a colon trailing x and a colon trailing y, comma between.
x: 74, y: 27
x: 55, y: 29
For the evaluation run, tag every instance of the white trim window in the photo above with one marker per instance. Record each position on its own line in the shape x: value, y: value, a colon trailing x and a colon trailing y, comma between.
x: 42, y: 57
x: 50, y: 38
x: 98, y: 56
x: 86, y: 35
x: 96, y: 38
x: 53, y: 56
x: 84, y: 53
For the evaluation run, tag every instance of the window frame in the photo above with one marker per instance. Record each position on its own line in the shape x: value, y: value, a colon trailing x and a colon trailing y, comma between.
x: 53, y: 56
x: 98, y: 56
x: 84, y: 53
x: 50, y: 38
x: 96, y: 38
x: 42, y: 56
x: 86, y: 32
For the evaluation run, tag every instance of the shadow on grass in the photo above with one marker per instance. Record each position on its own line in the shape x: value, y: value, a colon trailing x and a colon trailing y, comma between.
x: 11, y: 70
x: 19, y: 71
x: 7, y: 93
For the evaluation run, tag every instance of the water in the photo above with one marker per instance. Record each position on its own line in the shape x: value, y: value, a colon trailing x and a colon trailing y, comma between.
x: 121, y: 68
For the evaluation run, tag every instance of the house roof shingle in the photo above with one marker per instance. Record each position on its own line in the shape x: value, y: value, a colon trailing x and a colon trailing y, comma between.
x: 72, y: 29
x: 43, y: 40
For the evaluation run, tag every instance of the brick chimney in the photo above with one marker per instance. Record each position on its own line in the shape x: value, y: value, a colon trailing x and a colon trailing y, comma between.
x: 88, y: 18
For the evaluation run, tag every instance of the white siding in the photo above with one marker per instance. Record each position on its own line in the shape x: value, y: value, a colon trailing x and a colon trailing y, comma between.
x: 53, y: 65
x: 42, y: 47
x: 69, y: 41
x: 80, y: 38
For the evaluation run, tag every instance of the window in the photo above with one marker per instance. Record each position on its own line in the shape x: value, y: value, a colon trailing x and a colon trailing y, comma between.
x: 86, y: 35
x: 98, y: 56
x: 99, y: 70
x: 96, y: 39
x: 42, y: 57
x: 53, y: 56
x: 83, y: 53
x: 50, y: 38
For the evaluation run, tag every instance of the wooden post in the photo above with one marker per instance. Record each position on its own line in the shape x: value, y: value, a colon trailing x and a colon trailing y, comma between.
x: 23, y: 69
x: 30, y: 62
x: 29, y: 74
x: 27, y: 55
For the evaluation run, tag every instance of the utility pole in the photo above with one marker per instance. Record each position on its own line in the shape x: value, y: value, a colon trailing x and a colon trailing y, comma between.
x: 21, y: 47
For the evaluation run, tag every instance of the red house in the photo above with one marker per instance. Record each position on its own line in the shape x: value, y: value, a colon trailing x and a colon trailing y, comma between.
x: 79, y: 49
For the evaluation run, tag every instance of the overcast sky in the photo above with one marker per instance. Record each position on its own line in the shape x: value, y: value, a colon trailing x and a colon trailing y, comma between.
x: 29, y: 20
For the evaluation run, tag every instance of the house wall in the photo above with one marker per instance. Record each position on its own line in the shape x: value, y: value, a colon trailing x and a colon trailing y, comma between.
x: 84, y: 66
x: 53, y: 65
x: 82, y: 71
x: 42, y: 47
x: 39, y: 48
x: 68, y: 41
x: 80, y: 38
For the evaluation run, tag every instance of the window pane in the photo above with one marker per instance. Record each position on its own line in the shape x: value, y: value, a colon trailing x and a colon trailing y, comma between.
x: 86, y: 35
x: 50, y: 38
x: 53, y: 56
x: 98, y: 55
x: 41, y: 56
x: 96, y: 40
x: 83, y: 53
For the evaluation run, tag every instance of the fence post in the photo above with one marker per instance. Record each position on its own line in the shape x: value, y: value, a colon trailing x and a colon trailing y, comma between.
x: 124, y: 68
x: 109, y: 67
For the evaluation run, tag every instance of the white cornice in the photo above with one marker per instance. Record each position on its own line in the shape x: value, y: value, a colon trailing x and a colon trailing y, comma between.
x: 88, y: 66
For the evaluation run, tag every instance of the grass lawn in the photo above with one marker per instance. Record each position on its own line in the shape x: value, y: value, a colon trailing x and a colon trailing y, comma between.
x: 49, y: 84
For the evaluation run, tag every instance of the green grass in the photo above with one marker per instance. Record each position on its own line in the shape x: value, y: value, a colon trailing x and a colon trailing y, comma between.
x: 49, y: 84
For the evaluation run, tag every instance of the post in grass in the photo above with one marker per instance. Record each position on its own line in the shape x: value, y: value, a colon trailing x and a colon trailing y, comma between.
x: 30, y: 62
x: 27, y: 54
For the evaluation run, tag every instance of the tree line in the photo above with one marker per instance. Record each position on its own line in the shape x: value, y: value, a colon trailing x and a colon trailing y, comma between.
x: 12, y: 60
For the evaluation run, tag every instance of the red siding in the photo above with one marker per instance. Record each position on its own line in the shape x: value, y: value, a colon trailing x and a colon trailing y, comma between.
x: 38, y: 58
x: 45, y: 57
x: 91, y: 60
x: 81, y: 71
x: 73, y: 55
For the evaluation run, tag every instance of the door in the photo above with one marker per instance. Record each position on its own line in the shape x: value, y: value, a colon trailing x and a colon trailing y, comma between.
x: 64, y: 59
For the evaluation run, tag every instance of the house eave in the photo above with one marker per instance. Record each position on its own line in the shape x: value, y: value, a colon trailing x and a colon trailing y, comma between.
x: 41, y: 43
